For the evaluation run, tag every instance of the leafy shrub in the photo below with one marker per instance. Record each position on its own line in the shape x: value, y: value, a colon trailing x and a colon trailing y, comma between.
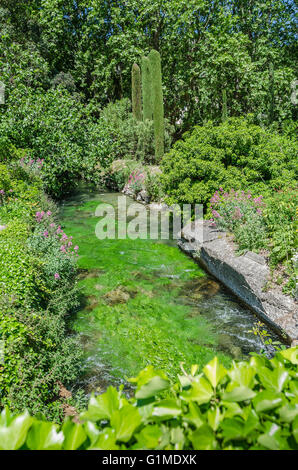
x: 269, y: 223
x: 281, y: 220
x: 19, y: 271
x: 234, y: 155
x: 60, y: 133
x: 153, y: 186
x: 240, y: 213
x: 252, y: 405
x: 118, y: 173
x: 56, y: 248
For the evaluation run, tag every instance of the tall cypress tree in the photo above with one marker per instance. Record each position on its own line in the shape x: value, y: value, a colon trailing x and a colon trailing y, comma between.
x: 157, y: 100
x: 224, y: 115
x: 146, y: 89
x: 271, y: 114
x: 136, y: 92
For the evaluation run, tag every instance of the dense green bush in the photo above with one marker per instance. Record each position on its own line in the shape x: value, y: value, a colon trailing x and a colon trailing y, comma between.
x: 38, y: 291
x: 234, y: 155
x: 253, y: 405
x: 60, y: 133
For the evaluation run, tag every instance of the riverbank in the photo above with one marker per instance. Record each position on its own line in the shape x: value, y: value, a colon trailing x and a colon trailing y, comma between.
x: 246, y: 276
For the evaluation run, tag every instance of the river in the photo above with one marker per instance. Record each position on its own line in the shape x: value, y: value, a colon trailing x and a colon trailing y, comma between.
x: 145, y: 302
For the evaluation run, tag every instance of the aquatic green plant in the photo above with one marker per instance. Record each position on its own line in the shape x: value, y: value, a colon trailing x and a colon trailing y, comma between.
x: 134, y: 314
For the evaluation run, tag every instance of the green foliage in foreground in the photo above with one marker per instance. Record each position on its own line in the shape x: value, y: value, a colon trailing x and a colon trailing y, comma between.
x: 253, y: 405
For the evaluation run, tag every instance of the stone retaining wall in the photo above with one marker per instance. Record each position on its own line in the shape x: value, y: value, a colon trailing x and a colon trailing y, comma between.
x: 246, y: 276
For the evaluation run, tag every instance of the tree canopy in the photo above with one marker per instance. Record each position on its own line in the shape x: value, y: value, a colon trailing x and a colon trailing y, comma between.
x: 205, y: 46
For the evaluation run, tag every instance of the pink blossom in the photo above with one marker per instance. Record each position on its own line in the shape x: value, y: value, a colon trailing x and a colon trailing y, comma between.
x: 46, y: 234
x: 216, y: 214
x: 49, y: 213
x: 57, y: 276
x: 76, y: 248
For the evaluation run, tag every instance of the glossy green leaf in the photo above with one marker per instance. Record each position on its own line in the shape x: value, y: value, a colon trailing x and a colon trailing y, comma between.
x: 231, y: 409
x: 214, y: 371
x: 288, y: 412
x: 232, y: 429
x: 239, y: 394
x: 243, y: 374
x: 149, y: 437
x: 267, y: 400
x: 168, y: 408
x: 102, y: 406
x: 125, y: 421
x: 214, y: 418
x: 74, y: 435
x: 275, y: 379
x: 155, y: 385
x: 105, y: 441
x: 200, y: 391
x: 291, y: 354
x: 13, y: 435
x: 44, y: 436
x: 92, y: 431
x: 203, y: 438
x: 194, y: 416
x: 272, y: 439
x: 295, y: 429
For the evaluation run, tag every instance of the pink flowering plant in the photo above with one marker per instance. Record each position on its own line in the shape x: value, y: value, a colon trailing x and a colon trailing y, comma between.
x: 31, y: 165
x: 242, y: 214
x: 58, y: 250
x: 136, y: 181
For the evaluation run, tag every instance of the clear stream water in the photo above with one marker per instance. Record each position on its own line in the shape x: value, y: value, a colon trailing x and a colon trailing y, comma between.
x: 145, y: 302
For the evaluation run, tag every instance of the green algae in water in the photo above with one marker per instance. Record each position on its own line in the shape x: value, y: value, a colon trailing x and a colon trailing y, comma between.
x: 132, y: 315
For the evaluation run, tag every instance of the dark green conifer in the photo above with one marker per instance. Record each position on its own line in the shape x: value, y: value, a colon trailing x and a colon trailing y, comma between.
x: 224, y: 106
x: 146, y: 89
x: 157, y: 100
x: 136, y: 92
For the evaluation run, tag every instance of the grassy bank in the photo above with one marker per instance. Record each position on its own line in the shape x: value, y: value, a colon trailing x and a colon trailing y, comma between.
x: 38, y: 293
